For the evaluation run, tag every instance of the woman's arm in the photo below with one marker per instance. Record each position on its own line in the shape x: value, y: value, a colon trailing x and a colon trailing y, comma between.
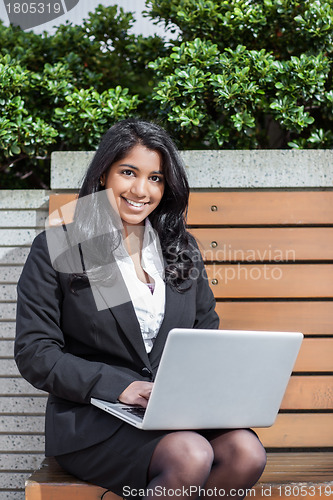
x: 40, y: 348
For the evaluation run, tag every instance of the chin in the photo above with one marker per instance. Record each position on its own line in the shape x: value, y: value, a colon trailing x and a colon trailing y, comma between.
x: 133, y: 220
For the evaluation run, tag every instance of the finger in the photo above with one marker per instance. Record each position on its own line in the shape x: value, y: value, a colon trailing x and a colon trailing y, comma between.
x: 142, y: 401
x: 145, y: 393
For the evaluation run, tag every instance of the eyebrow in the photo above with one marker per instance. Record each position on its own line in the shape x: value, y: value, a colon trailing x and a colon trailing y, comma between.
x: 136, y: 168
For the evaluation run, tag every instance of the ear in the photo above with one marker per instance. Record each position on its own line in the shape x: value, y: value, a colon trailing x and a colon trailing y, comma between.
x: 102, y: 180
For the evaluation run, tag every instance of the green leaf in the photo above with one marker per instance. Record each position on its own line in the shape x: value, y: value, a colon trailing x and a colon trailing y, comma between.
x: 15, y: 149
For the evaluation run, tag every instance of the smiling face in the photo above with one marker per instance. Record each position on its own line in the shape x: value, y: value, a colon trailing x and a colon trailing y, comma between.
x: 137, y: 183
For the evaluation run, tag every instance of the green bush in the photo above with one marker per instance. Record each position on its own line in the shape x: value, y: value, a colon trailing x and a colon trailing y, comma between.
x: 231, y: 98
x: 63, y: 91
x: 247, y: 73
x: 45, y: 111
x: 239, y: 74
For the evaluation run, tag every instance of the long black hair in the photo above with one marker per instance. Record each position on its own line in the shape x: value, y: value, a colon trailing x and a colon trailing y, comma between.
x: 168, y: 218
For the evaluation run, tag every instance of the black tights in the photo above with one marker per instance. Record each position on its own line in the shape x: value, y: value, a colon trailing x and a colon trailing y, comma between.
x: 186, y: 464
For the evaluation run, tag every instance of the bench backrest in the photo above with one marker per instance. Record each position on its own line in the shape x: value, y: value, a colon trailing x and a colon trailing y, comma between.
x: 269, y: 258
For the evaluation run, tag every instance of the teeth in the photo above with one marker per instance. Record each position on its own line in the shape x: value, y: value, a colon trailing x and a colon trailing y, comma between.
x: 134, y: 203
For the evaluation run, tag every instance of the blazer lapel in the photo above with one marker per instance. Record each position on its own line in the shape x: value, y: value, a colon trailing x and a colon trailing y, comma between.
x: 114, y: 296
x: 174, y: 309
x: 128, y: 322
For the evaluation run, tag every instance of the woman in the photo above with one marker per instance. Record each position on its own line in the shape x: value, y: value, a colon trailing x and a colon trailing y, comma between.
x: 93, y: 317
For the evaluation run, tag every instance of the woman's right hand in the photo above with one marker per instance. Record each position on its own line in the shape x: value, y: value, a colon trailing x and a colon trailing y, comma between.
x: 137, y: 393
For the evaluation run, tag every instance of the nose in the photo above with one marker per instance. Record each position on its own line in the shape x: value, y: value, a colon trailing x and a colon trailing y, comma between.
x: 139, y: 187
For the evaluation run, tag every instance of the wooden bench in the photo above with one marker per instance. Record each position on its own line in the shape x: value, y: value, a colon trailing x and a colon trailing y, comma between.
x: 269, y: 258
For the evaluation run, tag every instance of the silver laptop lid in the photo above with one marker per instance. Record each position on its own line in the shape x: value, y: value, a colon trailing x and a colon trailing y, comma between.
x: 221, y: 378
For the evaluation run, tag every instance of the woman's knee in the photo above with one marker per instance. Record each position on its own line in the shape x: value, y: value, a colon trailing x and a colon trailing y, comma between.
x: 253, y: 445
x: 243, y: 448
x: 183, y: 452
x: 197, y: 450
x: 250, y: 452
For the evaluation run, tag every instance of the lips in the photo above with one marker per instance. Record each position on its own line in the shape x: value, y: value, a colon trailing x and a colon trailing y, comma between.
x: 134, y: 203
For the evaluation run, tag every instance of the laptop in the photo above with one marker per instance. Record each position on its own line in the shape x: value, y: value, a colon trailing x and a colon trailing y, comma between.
x: 215, y: 379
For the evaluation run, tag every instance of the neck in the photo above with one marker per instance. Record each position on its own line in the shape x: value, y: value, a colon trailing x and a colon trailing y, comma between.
x: 133, y: 238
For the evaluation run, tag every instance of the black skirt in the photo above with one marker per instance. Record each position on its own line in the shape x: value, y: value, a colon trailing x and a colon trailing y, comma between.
x: 119, y: 464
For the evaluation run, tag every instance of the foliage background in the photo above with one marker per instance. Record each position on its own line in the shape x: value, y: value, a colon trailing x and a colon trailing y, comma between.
x: 241, y: 74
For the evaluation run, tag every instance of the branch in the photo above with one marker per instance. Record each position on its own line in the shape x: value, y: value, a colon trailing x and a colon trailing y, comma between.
x: 36, y: 179
x: 19, y: 158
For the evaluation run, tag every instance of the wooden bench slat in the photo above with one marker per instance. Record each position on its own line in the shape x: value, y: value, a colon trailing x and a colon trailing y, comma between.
x: 297, y: 466
x: 72, y: 490
x: 316, y: 355
x: 61, y: 208
x: 310, y: 318
x: 268, y: 280
x: 261, y: 207
x: 265, y: 244
x: 309, y: 393
x: 66, y: 492
x: 293, y: 430
x: 248, y: 208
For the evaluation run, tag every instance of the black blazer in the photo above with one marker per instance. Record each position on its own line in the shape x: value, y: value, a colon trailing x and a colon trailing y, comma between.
x: 67, y: 347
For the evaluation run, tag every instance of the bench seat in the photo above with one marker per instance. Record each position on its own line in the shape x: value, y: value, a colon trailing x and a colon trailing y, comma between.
x: 269, y: 259
x: 287, y: 475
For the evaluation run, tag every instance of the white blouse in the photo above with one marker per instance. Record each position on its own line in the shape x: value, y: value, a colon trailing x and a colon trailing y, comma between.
x: 148, y: 305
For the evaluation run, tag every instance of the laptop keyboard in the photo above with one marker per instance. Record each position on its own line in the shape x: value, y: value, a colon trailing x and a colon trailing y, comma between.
x: 138, y: 411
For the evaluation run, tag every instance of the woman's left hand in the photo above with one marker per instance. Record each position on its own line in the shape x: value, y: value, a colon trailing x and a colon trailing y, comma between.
x: 137, y: 393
